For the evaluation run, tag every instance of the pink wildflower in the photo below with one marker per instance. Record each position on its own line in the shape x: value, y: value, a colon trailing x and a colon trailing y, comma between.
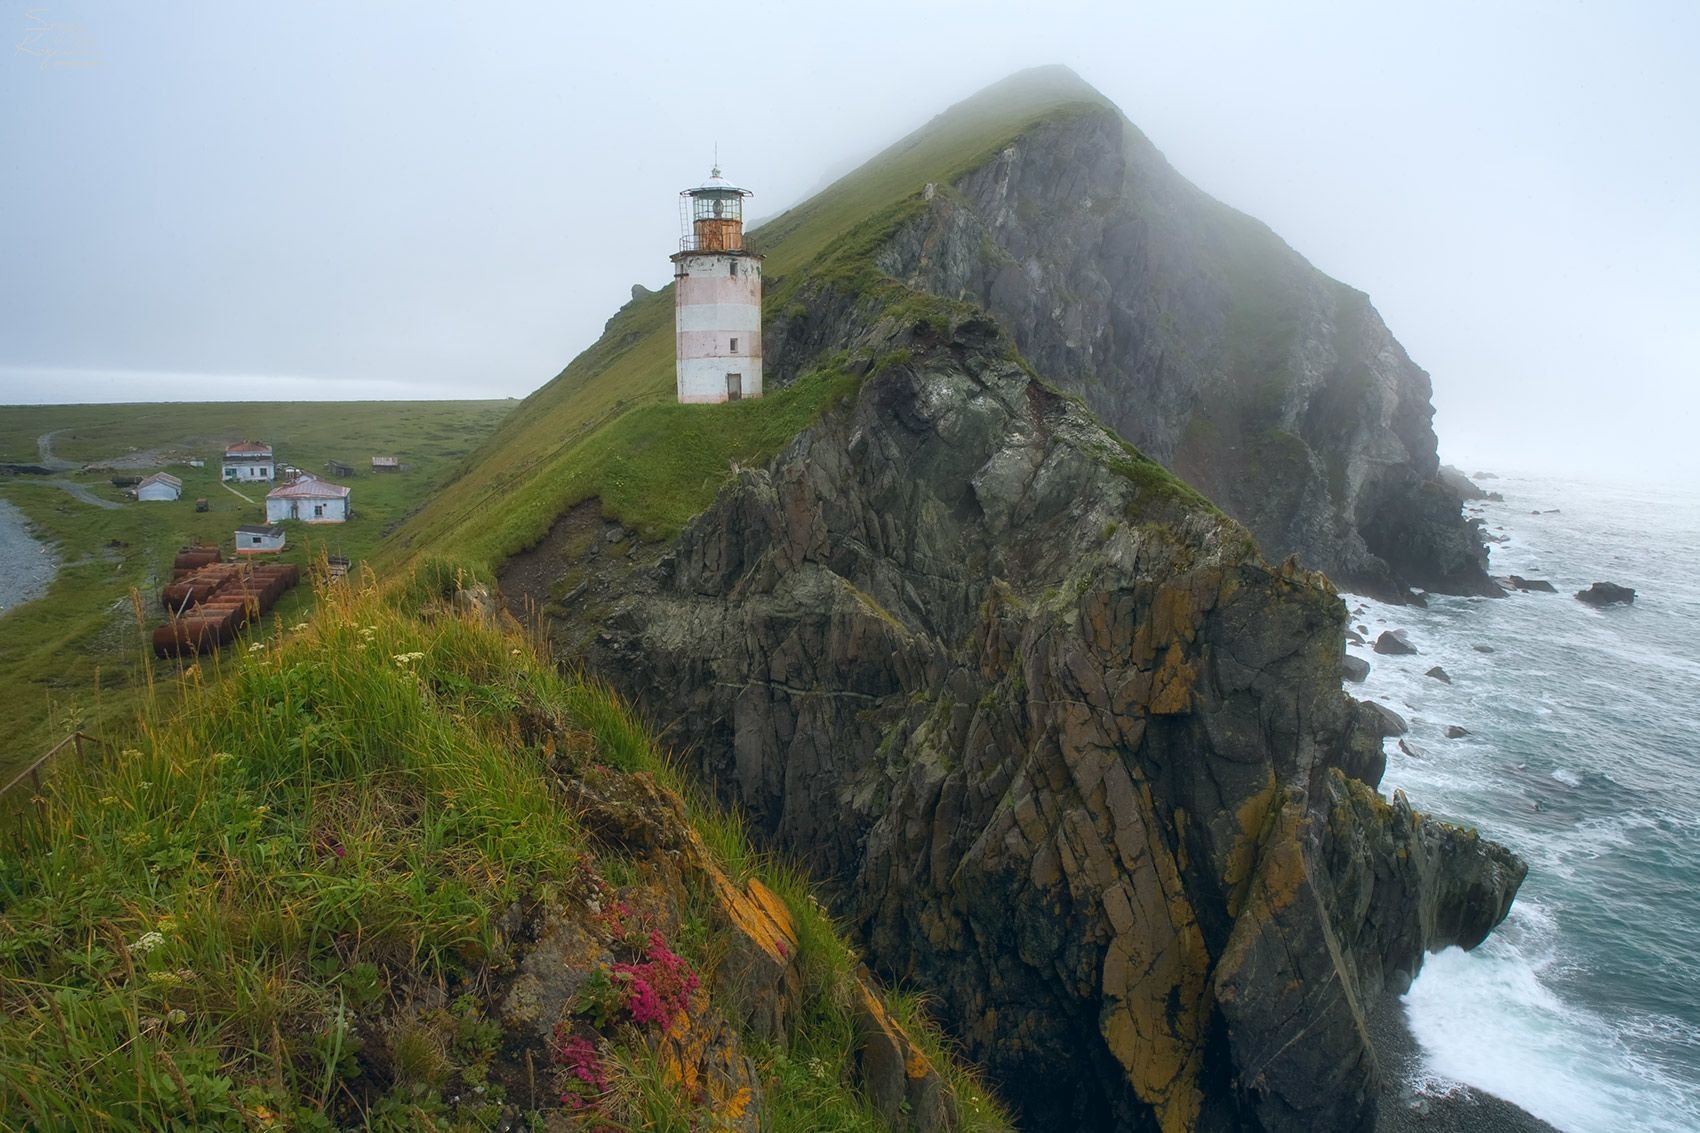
x: 659, y: 989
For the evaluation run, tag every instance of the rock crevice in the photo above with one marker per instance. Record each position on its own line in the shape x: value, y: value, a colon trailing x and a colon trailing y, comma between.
x: 1073, y: 756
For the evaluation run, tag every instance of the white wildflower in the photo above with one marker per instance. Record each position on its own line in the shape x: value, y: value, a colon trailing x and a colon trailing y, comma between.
x: 404, y: 658
x: 148, y: 942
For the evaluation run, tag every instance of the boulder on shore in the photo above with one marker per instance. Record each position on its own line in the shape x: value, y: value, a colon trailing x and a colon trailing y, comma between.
x: 1604, y: 594
x: 1393, y: 641
x: 1439, y: 674
x: 1392, y: 724
x: 1354, y: 668
x: 1518, y: 582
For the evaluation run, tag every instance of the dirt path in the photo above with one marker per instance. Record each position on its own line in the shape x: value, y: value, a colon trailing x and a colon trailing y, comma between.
x: 44, y: 451
x: 234, y: 492
x: 78, y: 491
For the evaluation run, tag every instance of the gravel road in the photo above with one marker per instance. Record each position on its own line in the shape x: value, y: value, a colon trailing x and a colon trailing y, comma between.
x: 27, y: 567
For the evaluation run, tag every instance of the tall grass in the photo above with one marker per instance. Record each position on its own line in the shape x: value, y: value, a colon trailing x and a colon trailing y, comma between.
x: 286, y: 902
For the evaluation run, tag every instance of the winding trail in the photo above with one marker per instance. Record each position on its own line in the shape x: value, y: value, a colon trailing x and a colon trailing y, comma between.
x: 45, y: 457
x: 81, y: 493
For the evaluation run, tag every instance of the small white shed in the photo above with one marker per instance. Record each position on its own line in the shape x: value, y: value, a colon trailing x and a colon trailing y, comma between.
x: 159, y: 486
x: 310, y: 500
x: 259, y: 539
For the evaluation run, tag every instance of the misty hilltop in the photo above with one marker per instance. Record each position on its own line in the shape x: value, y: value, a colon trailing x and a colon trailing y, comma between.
x: 1197, y: 334
x: 1188, y: 327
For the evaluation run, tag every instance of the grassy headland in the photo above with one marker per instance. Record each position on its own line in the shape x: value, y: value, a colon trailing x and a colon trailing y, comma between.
x: 301, y: 895
x: 534, y: 466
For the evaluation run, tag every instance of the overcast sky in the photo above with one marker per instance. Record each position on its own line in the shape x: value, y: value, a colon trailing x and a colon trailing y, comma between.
x: 363, y: 199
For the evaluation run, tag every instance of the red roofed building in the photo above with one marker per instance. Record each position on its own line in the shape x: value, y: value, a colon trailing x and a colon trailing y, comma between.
x: 249, y: 460
x: 310, y: 500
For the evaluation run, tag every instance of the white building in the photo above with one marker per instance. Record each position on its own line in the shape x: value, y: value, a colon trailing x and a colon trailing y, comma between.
x: 249, y: 460
x: 159, y: 486
x: 259, y: 539
x: 717, y: 296
x: 310, y: 500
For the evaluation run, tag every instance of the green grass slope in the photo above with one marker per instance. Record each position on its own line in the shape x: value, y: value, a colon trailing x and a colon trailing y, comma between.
x: 562, y: 446
x: 301, y: 897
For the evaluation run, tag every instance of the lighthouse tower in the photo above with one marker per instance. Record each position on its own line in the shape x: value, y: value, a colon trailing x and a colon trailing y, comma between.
x: 718, y: 296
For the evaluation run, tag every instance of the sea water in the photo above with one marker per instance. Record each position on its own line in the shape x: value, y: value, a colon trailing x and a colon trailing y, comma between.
x: 1584, y: 757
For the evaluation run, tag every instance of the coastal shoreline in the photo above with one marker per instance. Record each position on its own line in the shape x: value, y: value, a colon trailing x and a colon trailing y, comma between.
x: 1404, y: 1110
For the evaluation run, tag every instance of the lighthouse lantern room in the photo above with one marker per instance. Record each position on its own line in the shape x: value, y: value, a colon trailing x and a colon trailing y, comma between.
x: 717, y: 296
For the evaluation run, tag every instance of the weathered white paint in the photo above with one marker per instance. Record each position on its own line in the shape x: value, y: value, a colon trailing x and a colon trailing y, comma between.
x: 248, y: 469
x: 252, y: 541
x: 717, y: 324
x: 307, y: 511
x: 309, y: 500
x: 159, y: 488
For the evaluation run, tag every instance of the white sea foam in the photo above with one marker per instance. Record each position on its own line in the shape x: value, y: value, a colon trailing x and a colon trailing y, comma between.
x: 1584, y: 1007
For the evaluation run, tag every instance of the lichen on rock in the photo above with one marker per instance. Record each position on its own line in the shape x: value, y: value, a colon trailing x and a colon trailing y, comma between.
x: 1073, y: 755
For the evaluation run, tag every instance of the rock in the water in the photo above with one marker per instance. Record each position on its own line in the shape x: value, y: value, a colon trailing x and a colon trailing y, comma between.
x: 1412, y: 750
x: 1394, y: 641
x: 1454, y: 732
x: 1355, y: 638
x: 1518, y: 582
x: 1391, y: 723
x: 1439, y: 674
x: 1483, y: 648
x: 1606, y: 594
x: 1460, y: 483
x: 1354, y: 668
x: 1486, y: 476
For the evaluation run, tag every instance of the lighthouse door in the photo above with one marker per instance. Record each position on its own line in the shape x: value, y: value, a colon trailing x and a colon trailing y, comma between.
x: 734, y: 387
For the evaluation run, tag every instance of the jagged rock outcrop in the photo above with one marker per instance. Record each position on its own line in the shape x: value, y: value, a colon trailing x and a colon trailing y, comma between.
x: 1606, y: 594
x: 1075, y: 757
x: 1200, y: 336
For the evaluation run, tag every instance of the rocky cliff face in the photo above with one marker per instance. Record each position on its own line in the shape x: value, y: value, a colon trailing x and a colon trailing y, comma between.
x: 1201, y: 337
x: 1074, y: 755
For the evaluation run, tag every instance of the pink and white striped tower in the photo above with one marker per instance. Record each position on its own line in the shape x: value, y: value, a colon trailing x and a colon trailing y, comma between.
x: 717, y: 294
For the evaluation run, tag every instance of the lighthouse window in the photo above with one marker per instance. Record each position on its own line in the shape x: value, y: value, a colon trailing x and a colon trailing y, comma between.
x: 734, y: 267
x: 734, y: 346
